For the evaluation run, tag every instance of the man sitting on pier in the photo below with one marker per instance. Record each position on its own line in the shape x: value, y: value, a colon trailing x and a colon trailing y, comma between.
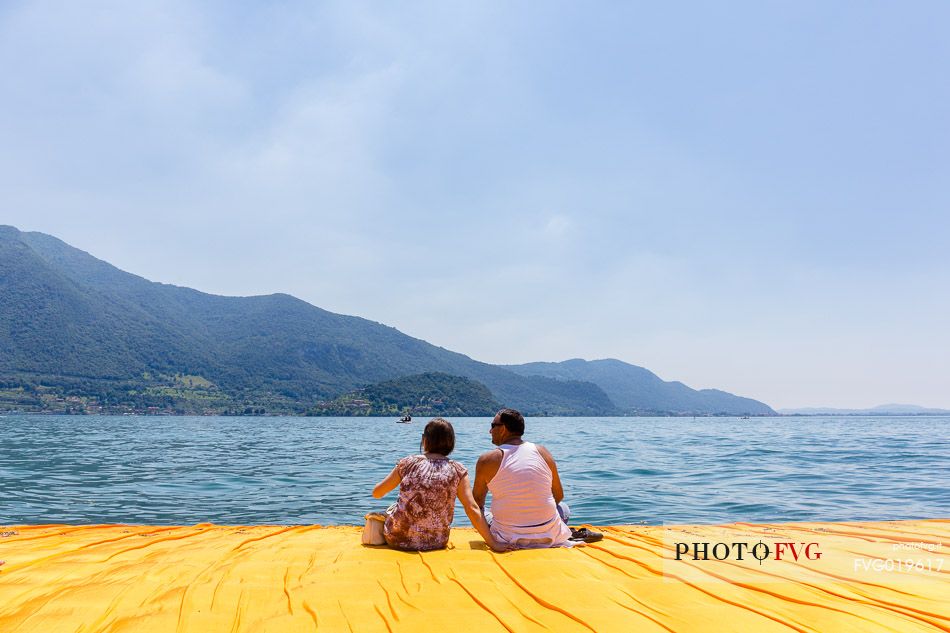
x: 526, y: 507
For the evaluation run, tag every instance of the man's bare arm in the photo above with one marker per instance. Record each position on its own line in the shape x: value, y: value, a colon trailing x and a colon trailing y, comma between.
x: 556, y: 489
x: 485, y: 470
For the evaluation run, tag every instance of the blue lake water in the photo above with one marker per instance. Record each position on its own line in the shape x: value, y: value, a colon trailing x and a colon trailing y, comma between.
x: 185, y: 470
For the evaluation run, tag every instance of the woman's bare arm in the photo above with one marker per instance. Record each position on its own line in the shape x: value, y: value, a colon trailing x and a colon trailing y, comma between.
x: 475, y: 515
x: 386, y: 485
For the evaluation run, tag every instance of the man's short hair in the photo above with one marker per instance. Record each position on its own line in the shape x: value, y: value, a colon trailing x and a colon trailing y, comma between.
x: 438, y: 437
x: 513, y: 421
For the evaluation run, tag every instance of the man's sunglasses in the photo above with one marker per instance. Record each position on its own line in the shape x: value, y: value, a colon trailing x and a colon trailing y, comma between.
x: 494, y: 424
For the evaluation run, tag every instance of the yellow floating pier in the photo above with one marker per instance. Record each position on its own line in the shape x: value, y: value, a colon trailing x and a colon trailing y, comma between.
x: 870, y: 576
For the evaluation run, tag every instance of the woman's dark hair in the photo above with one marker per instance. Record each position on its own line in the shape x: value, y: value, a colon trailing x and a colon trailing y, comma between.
x: 513, y: 421
x: 438, y: 437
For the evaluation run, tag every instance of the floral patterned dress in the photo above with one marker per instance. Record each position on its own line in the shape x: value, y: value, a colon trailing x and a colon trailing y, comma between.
x: 426, y: 503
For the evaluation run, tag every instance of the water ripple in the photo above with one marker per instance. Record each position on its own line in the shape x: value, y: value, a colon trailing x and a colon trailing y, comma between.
x: 615, y: 470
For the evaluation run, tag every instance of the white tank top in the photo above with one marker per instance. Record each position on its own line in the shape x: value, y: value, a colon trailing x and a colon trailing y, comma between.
x: 522, y: 504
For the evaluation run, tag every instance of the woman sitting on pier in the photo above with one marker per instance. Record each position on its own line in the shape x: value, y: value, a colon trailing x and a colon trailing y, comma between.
x: 428, y: 486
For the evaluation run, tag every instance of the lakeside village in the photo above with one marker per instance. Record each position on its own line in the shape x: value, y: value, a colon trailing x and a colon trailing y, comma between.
x: 46, y: 401
x: 421, y: 395
x: 79, y: 405
x: 192, y: 395
x: 181, y: 394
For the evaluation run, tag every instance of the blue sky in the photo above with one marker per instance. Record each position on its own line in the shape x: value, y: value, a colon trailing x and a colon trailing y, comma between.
x: 752, y: 197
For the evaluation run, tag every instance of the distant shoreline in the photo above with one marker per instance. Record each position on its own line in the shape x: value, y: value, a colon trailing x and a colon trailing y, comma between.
x: 481, y: 415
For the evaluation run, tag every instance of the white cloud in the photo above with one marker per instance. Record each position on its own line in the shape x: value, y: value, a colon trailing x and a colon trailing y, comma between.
x: 558, y: 226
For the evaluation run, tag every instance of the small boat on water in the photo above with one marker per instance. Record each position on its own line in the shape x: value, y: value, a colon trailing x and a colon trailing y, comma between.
x: 406, y: 419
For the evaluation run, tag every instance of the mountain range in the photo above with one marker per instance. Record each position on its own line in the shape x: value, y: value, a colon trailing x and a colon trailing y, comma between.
x: 639, y: 391
x: 77, y: 333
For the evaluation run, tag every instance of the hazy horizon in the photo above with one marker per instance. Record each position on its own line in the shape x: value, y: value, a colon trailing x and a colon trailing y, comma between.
x: 752, y: 199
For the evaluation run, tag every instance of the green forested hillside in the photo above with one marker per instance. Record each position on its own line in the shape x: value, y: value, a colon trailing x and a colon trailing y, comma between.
x: 76, y: 332
x: 421, y: 395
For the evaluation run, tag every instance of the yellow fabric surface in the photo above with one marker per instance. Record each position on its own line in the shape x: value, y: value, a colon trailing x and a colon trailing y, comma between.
x: 209, y: 578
